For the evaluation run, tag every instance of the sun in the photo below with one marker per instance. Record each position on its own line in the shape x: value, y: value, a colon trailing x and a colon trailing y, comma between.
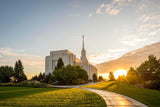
x: 120, y: 73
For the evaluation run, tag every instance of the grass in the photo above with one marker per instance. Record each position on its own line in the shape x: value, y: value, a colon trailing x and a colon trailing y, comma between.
x: 25, y: 96
x: 147, y: 96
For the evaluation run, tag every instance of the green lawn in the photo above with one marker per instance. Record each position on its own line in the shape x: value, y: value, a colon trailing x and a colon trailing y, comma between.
x: 25, y: 96
x: 146, y: 96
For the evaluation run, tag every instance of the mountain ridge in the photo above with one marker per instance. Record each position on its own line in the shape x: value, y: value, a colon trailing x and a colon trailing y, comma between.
x: 131, y: 59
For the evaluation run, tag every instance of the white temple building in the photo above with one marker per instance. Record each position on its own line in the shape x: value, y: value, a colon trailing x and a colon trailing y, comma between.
x: 69, y: 58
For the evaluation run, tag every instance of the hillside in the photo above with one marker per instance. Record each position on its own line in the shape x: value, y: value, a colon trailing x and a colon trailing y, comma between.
x: 131, y: 59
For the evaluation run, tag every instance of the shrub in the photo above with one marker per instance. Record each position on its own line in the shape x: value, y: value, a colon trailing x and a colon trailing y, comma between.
x: 36, y: 84
x: 153, y: 85
x: 100, y: 78
x: 78, y: 81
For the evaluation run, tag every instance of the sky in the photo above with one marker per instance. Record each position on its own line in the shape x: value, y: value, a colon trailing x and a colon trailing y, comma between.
x: 30, y: 29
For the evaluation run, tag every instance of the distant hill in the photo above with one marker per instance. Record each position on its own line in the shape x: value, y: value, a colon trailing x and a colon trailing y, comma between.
x: 131, y: 59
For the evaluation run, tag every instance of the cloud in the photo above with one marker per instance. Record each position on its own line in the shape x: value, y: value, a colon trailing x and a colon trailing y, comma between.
x: 135, y: 35
x: 32, y: 64
x: 145, y: 18
x: 74, y: 15
x: 90, y: 15
x: 134, y: 42
x: 154, y: 32
x: 150, y: 24
x: 114, y: 7
x: 99, y: 10
x: 110, y: 54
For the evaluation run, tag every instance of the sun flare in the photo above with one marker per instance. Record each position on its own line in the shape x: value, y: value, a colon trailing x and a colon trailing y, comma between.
x: 120, y: 73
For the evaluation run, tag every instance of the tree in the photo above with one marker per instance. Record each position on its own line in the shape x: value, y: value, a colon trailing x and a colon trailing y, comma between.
x: 111, y: 76
x: 100, y: 78
x: 121, y: 78
x: 70, y: 75
x: 6, y: 72
x: 48, y: 78
x: 41, y: 77
x: 60, y: 63
x: 149, y: 69
x: 18, y: 72
x: 94, y: 77
x: 58, y: 73
x: 35, y: 78
x: 82, y: 74
x: 132, y: 76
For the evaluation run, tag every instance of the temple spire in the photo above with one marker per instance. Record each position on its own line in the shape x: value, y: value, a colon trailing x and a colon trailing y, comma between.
x: 83, y: 52
x: 82, y: 41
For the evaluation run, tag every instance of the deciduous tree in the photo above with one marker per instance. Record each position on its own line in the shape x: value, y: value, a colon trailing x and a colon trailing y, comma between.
x: 6, y: 72
x: 111, y: 76
x: 132, y: 76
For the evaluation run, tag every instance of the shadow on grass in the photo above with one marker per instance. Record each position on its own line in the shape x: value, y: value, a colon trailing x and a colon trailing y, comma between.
x: 113, y: 83
x: 23, y: 92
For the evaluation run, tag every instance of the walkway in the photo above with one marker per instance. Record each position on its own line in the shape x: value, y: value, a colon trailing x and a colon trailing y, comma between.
x: 116, y: 100
x: 112, y: 99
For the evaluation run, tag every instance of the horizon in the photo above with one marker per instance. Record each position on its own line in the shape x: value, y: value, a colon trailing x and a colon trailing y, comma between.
x: 31, y: 29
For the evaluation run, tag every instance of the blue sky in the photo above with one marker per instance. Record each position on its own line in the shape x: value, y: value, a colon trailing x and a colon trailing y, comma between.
x: 30, y: 29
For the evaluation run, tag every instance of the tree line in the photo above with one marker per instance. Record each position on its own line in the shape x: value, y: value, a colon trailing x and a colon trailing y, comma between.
x: 10, y: 74
x: 148, y: 73
x: 61, y: 75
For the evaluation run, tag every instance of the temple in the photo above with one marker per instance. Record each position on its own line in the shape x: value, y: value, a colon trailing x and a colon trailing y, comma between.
x: 69, y: 58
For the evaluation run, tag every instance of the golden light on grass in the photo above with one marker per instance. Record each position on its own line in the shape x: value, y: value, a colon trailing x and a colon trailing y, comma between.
x: 120, y: 73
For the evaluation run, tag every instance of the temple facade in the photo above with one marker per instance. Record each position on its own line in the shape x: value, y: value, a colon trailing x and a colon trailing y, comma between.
x: 69, y: 58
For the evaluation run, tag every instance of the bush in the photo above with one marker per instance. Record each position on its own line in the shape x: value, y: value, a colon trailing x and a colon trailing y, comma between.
x: 100, y: 78
x: 36, y: 84
x: 78, y: 81
x: 153, y: 85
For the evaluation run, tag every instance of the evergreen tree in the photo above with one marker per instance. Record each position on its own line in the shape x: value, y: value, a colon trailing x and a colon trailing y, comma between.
x: 48, y: 78
x: 18, y: 72
x: 94, y: 77
x: 40, y: 77
x: 35, y: 78
x: 60, y: 63
x: 82, y: 74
